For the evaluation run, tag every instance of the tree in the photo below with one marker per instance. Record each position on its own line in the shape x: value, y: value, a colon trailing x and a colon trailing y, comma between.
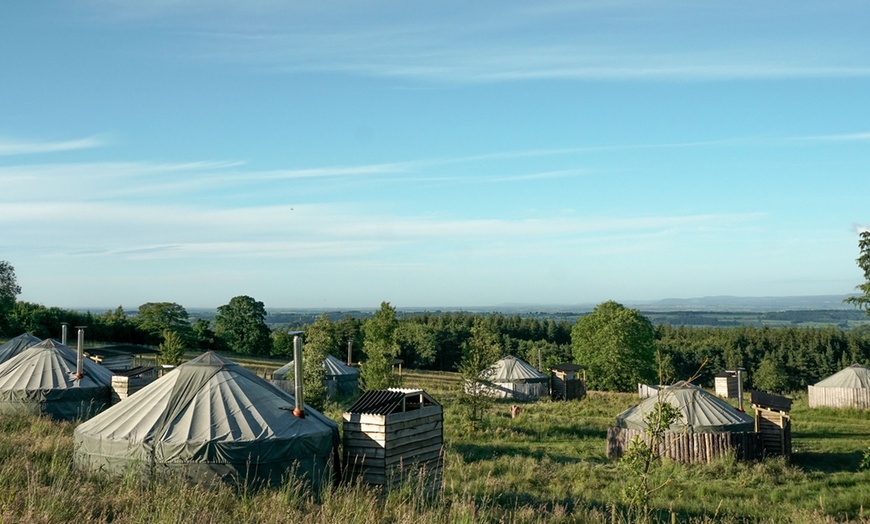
x: 617, y: 346
x: 380, y: 346
x: 319, y: 342
x: 770, y: 375
x: 171, y: 349
x: 157, y: 317
x: 479, y: 353
x: 863, y: 301
x: 204, y: 336
x: 241, y: 324
x: 416, y: 344
x: 9, y: 290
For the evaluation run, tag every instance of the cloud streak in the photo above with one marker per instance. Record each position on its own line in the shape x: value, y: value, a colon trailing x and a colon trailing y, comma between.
x: 21, y: 147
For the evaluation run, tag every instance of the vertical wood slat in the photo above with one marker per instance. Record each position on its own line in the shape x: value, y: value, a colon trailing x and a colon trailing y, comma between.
x: 688, y: 447
x: 858, y: 398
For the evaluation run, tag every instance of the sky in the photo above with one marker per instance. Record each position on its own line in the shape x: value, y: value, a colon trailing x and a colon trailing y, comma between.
x: 432, y: 154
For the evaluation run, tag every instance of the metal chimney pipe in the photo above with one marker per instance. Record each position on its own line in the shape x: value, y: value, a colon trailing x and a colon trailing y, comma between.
x: 297, y: 376
x: 540, y: 363
x: 64, y: 329
x: 80, y: 349
x: 350, y: 352
x: 739, y: 389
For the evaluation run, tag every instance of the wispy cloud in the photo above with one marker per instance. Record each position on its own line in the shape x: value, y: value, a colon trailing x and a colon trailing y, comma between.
x: 162, y: 231
x: 495, y: 42
x: 21, y: 147
x: 845, y: 137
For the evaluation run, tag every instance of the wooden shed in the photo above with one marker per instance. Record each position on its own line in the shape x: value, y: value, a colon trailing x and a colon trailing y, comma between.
x: 129, y: 381
x: 773, y: 422
x: 394, y: 435
x: 725, y: 384
x: 567, y: 381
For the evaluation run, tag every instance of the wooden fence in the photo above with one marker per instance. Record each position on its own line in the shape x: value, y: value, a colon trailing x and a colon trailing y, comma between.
x: 689, y: 447
x: 839, y: 397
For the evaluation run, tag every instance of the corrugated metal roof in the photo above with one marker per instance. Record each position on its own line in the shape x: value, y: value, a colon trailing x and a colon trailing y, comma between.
x: 393, y: 400
x: 378, y: 402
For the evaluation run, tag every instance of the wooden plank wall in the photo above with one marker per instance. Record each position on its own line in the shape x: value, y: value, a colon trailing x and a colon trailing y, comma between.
x: 839, y: 397
x: 387, y: 450
x: 726, y: 387
x: 123, y: 387
x: 774, y: 428
x: 689, y: 447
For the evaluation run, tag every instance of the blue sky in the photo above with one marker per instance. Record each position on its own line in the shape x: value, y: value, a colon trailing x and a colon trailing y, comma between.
x: 339, y: 154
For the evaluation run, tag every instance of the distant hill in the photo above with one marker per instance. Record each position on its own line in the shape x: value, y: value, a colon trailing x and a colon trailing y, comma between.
x: 761, y: 304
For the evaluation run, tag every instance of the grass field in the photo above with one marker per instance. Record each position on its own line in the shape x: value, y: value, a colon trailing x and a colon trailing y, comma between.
x: 547, y: 465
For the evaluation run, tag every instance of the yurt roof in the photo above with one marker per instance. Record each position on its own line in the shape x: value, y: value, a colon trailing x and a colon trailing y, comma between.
x: 854, y: 376
x: 50, y: 365
x: 701, y: 412
x: 209, y: 398
x: 334, y: 368
x: 16, y: 345
x: 513, y: 369
x: 209, y: 417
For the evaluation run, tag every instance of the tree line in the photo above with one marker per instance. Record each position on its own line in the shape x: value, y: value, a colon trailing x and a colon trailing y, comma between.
x: 789, y: 358
x: 619, y: 346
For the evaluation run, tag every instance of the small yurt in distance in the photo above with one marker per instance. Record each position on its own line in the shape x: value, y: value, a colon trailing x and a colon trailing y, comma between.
x: 211, y: 419
x: 708, y: 426
x: 42, y: 379
x: 514, y: 378
x: 848, y: 388
x: 16, y: 345
x: 340, y: 379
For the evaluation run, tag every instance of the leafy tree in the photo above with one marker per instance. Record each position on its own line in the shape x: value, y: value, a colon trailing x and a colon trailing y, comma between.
x: 380, y: 346
x: 157, y: 317
x: 771, y: 375
x: 9, y: 290
x: 319, y: 341
x: 349, y: 329
x: 204, y: 336
x: 282, y: 343
x: 863, y: 301
x: 171, y: 349
x: 617, y: 346
x: 479, y: 354
x: 417, y: 344
x: 241, y: 325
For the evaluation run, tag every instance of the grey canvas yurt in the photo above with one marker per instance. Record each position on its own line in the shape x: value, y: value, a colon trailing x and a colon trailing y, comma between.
x: 340, y: 378
x: 848, y: 388
x: 42, y: 379
x: 211, y: 419
x: 515, y: 378
x: 708, y: 426
x: 16, y: 345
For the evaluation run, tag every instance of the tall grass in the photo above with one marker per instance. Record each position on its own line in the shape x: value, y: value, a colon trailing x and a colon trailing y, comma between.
x: 547, y: 465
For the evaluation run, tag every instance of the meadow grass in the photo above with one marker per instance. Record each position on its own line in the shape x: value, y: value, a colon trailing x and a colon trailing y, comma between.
x: 547, y: 465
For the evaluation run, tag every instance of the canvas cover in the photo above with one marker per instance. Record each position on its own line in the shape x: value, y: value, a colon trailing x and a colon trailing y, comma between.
x: 854, y: 376
x: 701, y: 412
x: 511, y: 369
x: 340, y: 378
x: 514, y: 378
x: 16, y: 345
x: 210, y: 419
x: 41, y: 379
